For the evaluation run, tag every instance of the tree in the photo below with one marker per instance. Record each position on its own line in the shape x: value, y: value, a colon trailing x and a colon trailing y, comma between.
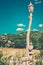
x: 41, y: 40
x: 35, y: 39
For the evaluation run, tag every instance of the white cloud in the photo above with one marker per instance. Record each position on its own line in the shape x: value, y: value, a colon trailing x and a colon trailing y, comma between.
x: 5, y: 33
x: 35, y: 30
x: 27, y: 30
x: 20, y: 25
x: 40, y: 25
x: 38, y: 2
x: 19, y: 29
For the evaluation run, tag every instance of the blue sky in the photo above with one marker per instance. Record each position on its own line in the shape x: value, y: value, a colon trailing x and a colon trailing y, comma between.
x: 14, y: 12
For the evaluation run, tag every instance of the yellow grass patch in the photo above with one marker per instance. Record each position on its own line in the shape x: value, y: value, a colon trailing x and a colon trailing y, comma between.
x: 14, y: 51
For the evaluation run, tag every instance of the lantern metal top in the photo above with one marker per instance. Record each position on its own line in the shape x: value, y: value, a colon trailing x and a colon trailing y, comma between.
x: 30, y: 7
x: 30, y: 4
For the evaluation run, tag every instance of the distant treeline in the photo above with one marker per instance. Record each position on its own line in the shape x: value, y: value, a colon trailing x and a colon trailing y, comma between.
x: 19, y: 40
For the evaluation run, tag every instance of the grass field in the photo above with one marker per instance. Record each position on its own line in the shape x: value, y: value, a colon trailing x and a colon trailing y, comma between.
x: 14, y: 51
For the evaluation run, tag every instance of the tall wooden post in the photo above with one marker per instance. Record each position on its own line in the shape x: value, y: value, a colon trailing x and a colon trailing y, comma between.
x: 29, y: 47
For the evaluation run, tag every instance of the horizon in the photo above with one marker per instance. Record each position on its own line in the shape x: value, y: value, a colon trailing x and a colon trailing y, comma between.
x: 19, y: 33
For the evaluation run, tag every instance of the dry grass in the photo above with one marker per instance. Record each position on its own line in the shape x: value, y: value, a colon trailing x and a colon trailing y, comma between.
x: 13, y: 51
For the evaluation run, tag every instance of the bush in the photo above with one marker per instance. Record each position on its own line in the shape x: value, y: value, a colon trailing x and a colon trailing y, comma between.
x: 1, y: 63
x: 38, y: 63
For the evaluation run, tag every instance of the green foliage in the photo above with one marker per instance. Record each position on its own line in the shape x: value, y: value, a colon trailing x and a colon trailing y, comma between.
x: 41, y: 40
x: 2, y: 61
x: 35, y: 39
x: 38, y: 59
x: 19, y: 40
x: 38, y: 63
